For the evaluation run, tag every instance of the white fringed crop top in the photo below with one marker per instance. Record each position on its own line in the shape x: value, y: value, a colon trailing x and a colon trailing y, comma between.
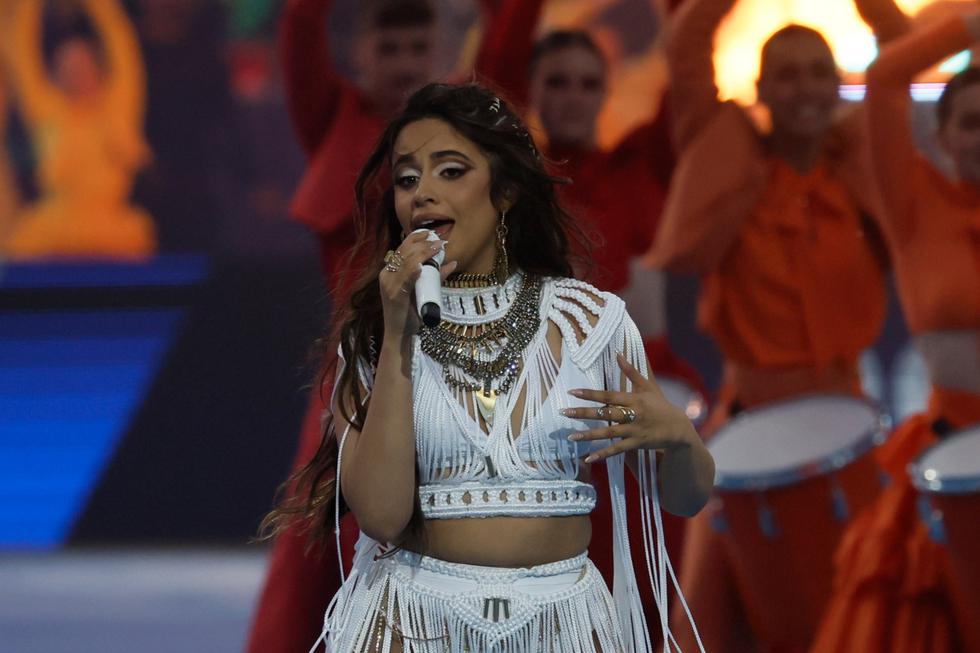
x: 467, y: 471
x: 532, y: 470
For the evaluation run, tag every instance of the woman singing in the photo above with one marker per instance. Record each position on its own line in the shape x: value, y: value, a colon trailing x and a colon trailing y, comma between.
x: 464, y: 449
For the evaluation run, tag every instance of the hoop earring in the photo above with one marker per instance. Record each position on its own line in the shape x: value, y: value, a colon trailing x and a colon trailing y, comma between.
x: 503, y: 265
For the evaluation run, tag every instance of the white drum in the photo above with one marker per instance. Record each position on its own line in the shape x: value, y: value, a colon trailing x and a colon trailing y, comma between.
x: 789, y: 441
x: 789, y: 477
x: 951, y: 466
x: 682, y: 395
x: 947, y: 476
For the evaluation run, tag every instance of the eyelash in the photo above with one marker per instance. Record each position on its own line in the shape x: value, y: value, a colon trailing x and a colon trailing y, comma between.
x: 407, y: 181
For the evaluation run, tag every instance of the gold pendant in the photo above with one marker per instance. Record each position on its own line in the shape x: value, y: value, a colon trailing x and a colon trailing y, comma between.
x: 486, y: 403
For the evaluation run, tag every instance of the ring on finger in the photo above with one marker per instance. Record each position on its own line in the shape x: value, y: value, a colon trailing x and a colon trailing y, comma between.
x: 629, y: 414
x: 393, y: 261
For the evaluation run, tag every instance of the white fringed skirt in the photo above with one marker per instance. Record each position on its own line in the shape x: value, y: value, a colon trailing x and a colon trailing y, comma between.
x: 407, y: 602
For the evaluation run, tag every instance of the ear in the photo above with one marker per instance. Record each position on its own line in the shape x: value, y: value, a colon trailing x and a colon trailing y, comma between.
x: 760, y: 89
x: 507, y: 199
x: 361, y: 51
x: 943, y: 136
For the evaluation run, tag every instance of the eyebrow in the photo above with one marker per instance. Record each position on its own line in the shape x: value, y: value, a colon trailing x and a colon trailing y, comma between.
x: 441, y: 154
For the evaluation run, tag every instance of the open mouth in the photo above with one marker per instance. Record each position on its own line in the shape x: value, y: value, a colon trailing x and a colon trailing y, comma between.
x: 442, y: 226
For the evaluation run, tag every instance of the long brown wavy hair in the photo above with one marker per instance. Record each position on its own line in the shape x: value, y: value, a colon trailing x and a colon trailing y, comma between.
x: 543, y: 239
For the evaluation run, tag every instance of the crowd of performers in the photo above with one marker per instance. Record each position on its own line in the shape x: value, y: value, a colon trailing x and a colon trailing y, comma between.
x: 793, y: 227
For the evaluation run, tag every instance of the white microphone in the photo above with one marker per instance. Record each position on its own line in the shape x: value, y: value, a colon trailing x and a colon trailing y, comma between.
x: 428, y: 288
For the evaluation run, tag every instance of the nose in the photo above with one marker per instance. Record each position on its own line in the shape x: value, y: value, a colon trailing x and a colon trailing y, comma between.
x: 423, y: 194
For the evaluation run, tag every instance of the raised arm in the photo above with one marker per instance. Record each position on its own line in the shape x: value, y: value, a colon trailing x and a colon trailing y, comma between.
x: 9, y: 196
x: 313, y: 86
x: 505, y: 53
x: 884, y: 17
x: 126, y: 74
x: 690, y: 47
x: 893, y: 151
x: 38, y: 97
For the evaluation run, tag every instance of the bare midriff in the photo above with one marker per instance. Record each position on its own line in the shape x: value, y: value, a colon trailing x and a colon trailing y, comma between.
x: 504, y: 541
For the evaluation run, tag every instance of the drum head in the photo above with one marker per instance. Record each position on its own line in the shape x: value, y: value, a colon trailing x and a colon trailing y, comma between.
x: 951, y: 466
x: 786, y: 442
x: 684, y: 397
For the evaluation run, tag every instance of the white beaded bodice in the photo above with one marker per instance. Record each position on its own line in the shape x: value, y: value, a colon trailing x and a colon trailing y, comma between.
x: 519, y: 461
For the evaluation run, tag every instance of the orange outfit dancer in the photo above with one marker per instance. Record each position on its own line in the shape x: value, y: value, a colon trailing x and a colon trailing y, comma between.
x: 776, y: 225
x: 891, y: 593
x: 87, y: 129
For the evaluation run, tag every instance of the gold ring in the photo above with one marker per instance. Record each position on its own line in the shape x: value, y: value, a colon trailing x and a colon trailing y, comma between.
x: 393, y: 261
x: 629, y: 415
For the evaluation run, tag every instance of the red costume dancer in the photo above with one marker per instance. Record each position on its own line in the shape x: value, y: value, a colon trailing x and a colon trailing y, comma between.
x: 617, y: 192
x: 891, y: 593
x: 337, y: 123
x: 792, y: 283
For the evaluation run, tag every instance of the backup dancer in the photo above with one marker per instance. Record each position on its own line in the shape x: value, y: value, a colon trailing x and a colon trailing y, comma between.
x: 336, y: 122
x: 776, y: 224
x: 891, y: 594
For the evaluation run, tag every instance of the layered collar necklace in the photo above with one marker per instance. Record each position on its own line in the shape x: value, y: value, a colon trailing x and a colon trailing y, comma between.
x: 483, y: 334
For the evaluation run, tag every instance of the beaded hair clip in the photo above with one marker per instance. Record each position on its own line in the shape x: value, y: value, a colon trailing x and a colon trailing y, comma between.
x: 517, y: 127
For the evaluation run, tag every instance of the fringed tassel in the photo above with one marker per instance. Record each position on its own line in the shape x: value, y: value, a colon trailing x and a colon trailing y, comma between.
x: 659, y: 569
x: 383, y: 605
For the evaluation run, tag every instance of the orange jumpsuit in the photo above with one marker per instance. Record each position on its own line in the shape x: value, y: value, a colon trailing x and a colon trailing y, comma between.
x: 88, y: 151
x: 792, y: 271
x: 891, y: 591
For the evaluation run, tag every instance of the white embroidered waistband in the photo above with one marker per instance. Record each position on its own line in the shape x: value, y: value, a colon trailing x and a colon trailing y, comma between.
x: 517, y: 498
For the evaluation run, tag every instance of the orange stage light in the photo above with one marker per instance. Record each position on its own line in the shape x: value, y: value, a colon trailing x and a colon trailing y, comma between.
x: 741, y: 36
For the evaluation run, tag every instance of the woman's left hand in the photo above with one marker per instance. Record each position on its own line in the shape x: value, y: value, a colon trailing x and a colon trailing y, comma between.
x: 641, y: 419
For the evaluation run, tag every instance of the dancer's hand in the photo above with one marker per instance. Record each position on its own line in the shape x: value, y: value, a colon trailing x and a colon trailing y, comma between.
x: 641, y: 419
x: 397, y: 280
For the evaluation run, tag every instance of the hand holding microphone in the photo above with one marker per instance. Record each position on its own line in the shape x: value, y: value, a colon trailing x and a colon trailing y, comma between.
x: 428, y: 287
x: 415, y: 264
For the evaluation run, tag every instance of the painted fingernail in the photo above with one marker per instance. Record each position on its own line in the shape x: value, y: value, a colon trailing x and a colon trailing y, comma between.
x: 567, y: 411
x: 576, y: 393
x: 591, y: 458
x: 575, y: 437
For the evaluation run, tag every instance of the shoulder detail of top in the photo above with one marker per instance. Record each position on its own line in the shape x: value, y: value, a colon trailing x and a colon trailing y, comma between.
x: 586, y: 316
